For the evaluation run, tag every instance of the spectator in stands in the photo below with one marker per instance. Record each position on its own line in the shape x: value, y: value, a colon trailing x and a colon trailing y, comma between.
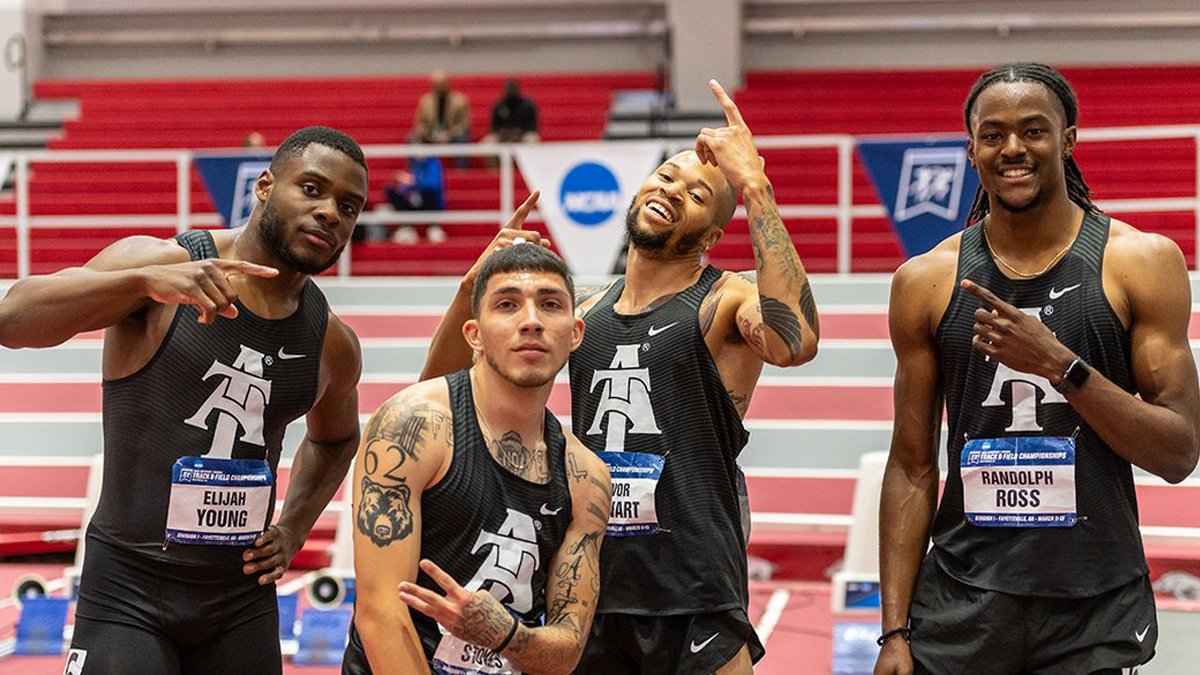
x: 420, y: 188
x: 254, y: 139
x: 443, y: 115
x: 514, y: 118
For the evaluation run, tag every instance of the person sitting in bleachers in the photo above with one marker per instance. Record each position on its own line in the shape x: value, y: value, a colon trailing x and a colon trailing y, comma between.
x: 443, y: 115
x: 514, y: 117
x: 420, y: 188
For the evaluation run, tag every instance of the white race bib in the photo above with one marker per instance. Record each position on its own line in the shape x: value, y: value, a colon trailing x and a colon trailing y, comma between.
x: 457, y: 657
x: 1021, y: 481
x: 634, y: 479
x: 218, y: 501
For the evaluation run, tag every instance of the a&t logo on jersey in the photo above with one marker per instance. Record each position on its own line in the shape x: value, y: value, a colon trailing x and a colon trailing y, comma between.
x: 239, y: 399
x: 1024, y: 391
x: 624, y: 401
x: 508, y: 571
x: 931, y: 181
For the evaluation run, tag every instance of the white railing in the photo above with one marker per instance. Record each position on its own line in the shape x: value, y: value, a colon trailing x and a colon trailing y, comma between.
x: 843, y: 209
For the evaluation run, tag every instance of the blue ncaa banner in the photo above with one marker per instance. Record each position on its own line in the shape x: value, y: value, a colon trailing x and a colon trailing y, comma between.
x: 230, y: 182
x: 926, y: 186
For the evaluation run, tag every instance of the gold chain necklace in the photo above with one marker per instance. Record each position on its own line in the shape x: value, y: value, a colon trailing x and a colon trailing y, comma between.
x: 1023, y: 275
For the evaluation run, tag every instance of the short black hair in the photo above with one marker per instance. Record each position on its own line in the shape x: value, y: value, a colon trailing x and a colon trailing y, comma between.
x: 293, y: 146
x: 1038, y: 73
x: 724, y: 216
x: 520, y: 258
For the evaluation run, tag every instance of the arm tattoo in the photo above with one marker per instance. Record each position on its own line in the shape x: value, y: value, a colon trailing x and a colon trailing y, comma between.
x: 397, y: 433
x: 808, y: 307
x: 383, y: 512
x: 752, y: 332
x: 484, y: 621
x: 781, y: 319
x: 773, y: 245
x: 585, y: 294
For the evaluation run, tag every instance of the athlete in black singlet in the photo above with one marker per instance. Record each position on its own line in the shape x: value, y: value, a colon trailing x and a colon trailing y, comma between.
x: 1058, y: 339
x: 659, y: 389
x: 471, y: 498
x: 214, y: 343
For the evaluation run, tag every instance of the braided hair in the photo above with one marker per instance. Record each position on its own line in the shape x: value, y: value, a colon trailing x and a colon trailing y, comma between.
x: 1051, y: 79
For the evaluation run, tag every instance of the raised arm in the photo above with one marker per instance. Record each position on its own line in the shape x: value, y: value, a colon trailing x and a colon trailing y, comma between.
x: 910, y: 480
x: 780, y: 318
x: 321, y: 460
x: 449, y: 352
x: 1158, y: 431
x: 125, y: 277
x: 572, y: 587
x: 405, y: 444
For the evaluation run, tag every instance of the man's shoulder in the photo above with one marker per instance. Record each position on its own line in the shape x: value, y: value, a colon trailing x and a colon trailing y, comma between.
x: 1128, y: 244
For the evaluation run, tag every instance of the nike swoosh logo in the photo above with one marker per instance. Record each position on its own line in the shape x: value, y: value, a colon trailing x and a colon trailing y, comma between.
x: 547, y: 512
x: 1142, y: 635
x: 655, y: 331
x: 697, y: 647
x: 1056, y: 294
x: 285, y: 357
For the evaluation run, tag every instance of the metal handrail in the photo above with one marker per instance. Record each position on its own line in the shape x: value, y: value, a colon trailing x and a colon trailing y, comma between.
x: 842, y: 209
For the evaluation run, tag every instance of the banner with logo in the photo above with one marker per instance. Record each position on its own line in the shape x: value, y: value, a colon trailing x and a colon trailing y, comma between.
x: 586, y: 190
x: 230, y: 183
x: 926, y: 185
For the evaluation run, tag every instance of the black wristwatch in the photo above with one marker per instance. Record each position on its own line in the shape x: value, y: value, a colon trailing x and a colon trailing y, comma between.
x: 1073, y: 377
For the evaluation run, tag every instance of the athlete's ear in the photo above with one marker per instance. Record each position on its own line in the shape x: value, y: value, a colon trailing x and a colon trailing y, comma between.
x: 264, y: 185
x: 971, y: 150
x: 577, y: 334
x: 1069, y: 136
x: 470, y: 331
x: 711, y: 238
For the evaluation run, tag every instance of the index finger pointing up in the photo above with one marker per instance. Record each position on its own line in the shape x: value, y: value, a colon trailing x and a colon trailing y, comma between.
x: 732, y: 116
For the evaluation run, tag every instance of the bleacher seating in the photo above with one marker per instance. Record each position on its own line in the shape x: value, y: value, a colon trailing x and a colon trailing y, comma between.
x: 212, y: 113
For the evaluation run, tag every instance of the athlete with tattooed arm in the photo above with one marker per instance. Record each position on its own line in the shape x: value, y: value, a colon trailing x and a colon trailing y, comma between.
x: 473, y: 506
x: 659, y: 387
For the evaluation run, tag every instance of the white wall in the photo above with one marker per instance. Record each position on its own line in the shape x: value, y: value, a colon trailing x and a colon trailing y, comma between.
x: 116, y: 38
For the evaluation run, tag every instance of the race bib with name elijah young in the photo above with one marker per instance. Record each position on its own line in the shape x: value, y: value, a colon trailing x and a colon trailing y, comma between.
x: 634, y: 479
x: 218, y: 501
x: 457, y: 657
x: 1023, y: 481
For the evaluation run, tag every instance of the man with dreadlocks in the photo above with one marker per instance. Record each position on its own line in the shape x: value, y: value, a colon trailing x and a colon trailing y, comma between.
x: 1040, y: 325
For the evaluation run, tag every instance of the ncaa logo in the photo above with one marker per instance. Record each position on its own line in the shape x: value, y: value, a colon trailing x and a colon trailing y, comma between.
x: 590, y: 193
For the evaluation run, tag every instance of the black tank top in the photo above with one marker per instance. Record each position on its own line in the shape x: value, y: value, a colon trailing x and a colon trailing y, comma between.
x: 1103, y: 549
x: 146, y: 427
x: 661, y: 393
x: 487, y: 527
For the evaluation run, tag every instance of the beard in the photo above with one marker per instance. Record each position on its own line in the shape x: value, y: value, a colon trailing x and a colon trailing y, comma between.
x: 271, y: 234
x: 657, y: 244
x: 524, y: 381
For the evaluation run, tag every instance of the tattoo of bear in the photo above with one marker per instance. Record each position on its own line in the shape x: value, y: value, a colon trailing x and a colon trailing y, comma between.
x: 383, y: 512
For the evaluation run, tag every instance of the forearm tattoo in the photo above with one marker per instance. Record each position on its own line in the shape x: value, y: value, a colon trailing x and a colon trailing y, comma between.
x: 808, y: 307
x: 780, y: 318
